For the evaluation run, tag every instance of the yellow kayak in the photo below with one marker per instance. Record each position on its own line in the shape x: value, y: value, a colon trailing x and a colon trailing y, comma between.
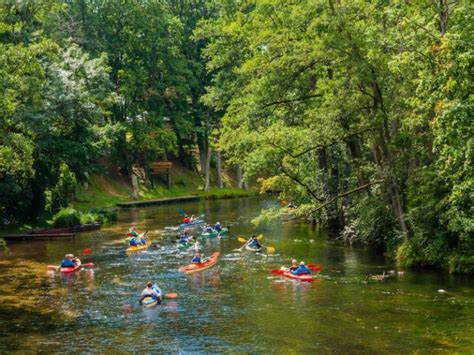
x: 138, y: 248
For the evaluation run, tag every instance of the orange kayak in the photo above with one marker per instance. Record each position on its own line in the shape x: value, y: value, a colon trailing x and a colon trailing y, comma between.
x: 188, y: 269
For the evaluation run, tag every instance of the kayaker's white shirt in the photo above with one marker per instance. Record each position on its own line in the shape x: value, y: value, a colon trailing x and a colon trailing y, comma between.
x: 150, y: 292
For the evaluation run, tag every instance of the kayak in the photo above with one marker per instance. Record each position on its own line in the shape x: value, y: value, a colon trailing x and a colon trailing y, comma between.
x: 305, y: 277
x: 248, y: 247
x: 197, y: 222
x: 149, y: 302
x: 70, y: 269
x: 188, y: 269
x: 138, y: 248
x: 184, y: 246
x: 214, y: 233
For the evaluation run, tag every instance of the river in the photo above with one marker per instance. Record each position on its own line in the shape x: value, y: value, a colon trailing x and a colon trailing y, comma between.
x: 236, y: 306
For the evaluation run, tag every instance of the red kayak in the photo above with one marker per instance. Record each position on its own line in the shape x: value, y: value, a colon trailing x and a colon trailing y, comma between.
x: 71, y: 269
x: 304, y: 277
x: 188, y: 269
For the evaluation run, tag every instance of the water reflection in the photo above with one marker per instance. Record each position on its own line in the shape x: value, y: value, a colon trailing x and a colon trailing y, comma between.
x: 236, y: 306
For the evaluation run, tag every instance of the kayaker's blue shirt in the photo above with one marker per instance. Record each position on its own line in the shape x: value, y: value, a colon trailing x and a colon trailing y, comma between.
x: 133, y: 242
x: 67, y: 263
x: 184, y: 238
x: 255, y: 244
x: 208, y: 229
x: 196, y: 260
x: 301, y: 270
x: 143, y: 241
x: 218, y: 227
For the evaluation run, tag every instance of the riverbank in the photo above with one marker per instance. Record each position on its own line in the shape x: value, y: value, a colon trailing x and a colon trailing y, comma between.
x: 105, y: 192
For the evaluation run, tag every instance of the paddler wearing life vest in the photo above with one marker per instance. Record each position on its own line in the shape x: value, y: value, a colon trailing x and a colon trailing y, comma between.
x: 197, y: 259
x: 254, y: 243
x: 301, y: 270
x: 150, y: 291
x: 218, y: 227
x: 69, y: 261
x: 185, y: 238
x: 186, y: 219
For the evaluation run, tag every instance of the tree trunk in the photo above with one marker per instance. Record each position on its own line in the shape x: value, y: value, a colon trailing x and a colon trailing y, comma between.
x: 207, y: 169
x: 135, y: 190
x: 239, y: 176
x: 220, y: 183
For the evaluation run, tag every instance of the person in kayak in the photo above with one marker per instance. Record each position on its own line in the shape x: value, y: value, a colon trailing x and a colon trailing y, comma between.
x: 218, y: 227
x: 186, y: 219
x: 133, y: 242
x: 254, y: 243
x: 301, y: 270
x: 185, y: 238
x: 142, y: 240
x: 68, y: 261
x: 208, y: 229
x: 150, y: 291
x: 197, y: 259
x: 133, y: 232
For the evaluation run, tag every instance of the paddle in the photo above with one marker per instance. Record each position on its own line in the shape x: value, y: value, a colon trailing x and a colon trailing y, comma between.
x: 278, y: 271
x: 270, y: 250
x: 171, y: 295
x: 314, y: 267
x: 242, y: 239
x: 86, y: 252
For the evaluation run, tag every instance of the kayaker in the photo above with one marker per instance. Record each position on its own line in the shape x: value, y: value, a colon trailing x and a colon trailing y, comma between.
x: 185, y: 238
x: 301, y: 270
x: 68, y: 261
x: 186, y: 219
x: 218, y: 227
x: 197, y: 259
x: 254, y: 243
x: 208, y: 229
x: 294, y: 265
x: 133, y: 242
x: 133, y: 232
x: 142, y: 240
x: 150, y: 291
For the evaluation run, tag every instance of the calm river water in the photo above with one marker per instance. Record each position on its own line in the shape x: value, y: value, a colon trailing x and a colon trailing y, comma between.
x: 236, y: 306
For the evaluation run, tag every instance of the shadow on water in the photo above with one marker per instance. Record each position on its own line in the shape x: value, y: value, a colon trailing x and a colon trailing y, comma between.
x: 236, y: 306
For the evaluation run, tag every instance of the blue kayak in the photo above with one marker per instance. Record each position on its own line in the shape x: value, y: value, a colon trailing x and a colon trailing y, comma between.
x: 196, y: 222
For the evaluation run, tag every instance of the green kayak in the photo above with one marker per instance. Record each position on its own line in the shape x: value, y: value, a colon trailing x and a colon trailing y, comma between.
x: 214, y: 233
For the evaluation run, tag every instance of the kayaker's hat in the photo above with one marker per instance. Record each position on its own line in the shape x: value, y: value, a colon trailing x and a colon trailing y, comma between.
x: 302, y: 263
x: 149, y: 284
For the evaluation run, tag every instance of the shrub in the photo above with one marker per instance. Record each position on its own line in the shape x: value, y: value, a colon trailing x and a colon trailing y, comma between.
x: 67, y: 217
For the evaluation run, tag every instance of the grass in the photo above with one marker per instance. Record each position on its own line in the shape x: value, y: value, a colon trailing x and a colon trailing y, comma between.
x: 105, y: 191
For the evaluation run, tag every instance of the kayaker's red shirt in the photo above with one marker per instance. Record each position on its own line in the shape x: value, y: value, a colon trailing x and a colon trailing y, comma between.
x: 186, y: 220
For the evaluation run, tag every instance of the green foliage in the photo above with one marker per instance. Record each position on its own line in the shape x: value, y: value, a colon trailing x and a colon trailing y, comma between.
x: 65, y: 188
x: 66, y: 217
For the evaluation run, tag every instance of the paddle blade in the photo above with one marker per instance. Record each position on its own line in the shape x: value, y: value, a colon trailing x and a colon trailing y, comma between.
x: 181, y: 211
x: 88, y: 265
x: 171, y: 295
x: 270, y: 250
x: 314, y: 267
x: 87, y: 251
x: 278, y: 271
x: 242, y: 240
x: 260, y: 237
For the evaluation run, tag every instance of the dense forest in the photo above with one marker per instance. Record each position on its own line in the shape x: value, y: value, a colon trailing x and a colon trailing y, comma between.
x: 360, y: 112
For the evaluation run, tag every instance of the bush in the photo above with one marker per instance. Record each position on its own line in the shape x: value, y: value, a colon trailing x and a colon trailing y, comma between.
x: 67, y: 217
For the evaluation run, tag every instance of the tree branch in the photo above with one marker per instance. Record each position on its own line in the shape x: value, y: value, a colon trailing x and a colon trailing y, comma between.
x: 346, y: 194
